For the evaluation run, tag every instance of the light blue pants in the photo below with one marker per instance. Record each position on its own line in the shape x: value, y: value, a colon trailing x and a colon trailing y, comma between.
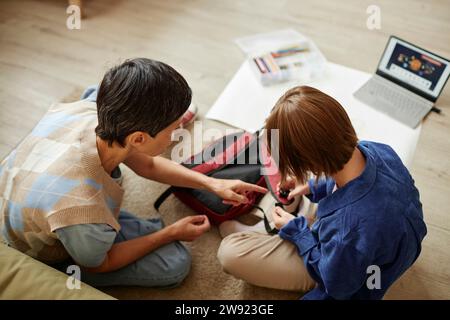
x: 90, y: 93
x: 165, y: 267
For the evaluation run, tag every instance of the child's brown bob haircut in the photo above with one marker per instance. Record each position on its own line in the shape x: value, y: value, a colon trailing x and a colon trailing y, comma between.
x: 315, y: 134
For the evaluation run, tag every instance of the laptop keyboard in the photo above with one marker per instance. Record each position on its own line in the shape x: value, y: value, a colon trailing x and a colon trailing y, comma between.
x: 392, y: 100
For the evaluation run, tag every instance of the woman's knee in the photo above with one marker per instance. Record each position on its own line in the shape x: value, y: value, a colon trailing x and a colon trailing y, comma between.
x: 181, y: 266
x: 166, y: 267
x: 177, y: 259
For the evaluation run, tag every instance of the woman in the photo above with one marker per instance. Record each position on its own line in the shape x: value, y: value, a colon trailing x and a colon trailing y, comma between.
x: 369, y: 222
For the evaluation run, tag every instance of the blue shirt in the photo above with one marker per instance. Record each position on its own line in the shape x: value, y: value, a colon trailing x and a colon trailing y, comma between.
x: 375, y: 219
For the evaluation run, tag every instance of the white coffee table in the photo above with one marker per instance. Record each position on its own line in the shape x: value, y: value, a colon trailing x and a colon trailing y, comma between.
x: 245, y: 104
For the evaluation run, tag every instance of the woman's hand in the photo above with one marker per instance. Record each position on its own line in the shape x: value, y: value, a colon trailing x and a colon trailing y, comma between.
x: 281, y: 217
x: 295, y: 188
x: 189, y: 228
x: 233, y: 191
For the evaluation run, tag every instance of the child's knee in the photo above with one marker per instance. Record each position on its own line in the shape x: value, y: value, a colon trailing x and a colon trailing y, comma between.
x: 227, y: 254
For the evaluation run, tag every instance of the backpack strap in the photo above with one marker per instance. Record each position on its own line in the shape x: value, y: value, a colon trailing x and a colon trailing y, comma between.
x: 270, y: 230
x: 163, y: 197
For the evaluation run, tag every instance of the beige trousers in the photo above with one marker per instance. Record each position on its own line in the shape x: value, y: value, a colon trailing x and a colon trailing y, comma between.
x: 266, y: 260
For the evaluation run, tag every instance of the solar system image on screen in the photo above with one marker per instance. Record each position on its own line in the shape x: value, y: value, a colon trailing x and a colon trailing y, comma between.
x: 419, y: 64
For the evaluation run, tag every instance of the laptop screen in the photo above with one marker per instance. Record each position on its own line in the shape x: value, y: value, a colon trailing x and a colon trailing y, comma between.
x: 415, y: 67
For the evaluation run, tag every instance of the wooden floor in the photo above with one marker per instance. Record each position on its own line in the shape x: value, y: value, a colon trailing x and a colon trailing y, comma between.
x: 41, y: 61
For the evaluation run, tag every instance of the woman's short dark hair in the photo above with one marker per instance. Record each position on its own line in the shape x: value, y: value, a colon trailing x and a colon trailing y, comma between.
x: 140, y: 95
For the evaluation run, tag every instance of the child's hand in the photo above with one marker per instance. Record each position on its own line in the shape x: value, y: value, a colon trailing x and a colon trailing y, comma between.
x: 189, y: 228
x: 299, y: 190
x: 281, y: 217
x: 295, y: 188
x: 287, y: 185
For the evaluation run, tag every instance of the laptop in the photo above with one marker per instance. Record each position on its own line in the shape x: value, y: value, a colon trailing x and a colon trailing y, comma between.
x: 407, y: 82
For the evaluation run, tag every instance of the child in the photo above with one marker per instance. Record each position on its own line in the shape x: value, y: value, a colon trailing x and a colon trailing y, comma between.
x: 59, y: 199
x: 369, y: 214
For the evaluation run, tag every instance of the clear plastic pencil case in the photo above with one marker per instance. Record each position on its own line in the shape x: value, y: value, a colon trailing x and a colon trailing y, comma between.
x: 295, y: 61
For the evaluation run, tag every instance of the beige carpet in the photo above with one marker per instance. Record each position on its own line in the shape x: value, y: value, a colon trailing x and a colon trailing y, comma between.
x: 206, y: 279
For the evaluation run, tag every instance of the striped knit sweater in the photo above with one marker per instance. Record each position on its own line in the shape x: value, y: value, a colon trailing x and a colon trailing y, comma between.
x: 54, y: 179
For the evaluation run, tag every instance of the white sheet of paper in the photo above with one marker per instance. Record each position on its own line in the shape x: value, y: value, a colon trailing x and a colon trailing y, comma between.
x: 245, y: 104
